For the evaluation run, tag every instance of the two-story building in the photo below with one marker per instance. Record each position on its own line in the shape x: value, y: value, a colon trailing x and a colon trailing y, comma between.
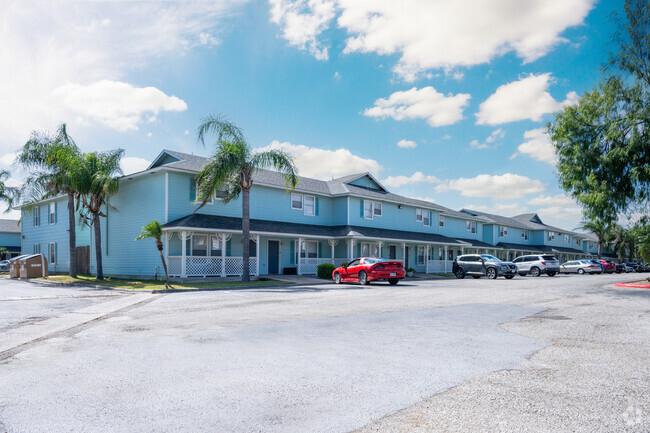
x: 10, y: 238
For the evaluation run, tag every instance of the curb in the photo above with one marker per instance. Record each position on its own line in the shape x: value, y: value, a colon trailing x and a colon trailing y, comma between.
x: 633, y: 285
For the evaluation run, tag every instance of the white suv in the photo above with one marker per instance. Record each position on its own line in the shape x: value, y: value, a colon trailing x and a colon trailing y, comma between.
x: 537, y: 265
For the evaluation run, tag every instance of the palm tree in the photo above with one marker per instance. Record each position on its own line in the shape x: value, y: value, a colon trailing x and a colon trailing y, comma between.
x: 620, y: 240
x: 54, y: 157
x: 598, y: 228
x: 153, y: 230
x: 231, y: 167
x: 7, y: 193
x: 94, y: 180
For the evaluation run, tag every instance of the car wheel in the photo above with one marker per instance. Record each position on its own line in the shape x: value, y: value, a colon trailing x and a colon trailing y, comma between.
x: 535, y: 272
x: 581, y: 271
x: 550, y: 274
x: 491, y: 273
x: 393, y: 281
x: 618, y: 271
x: 509, y: 277
x: 460, y: 274
x: 363, y: 278
x: 476, y: 277
x: 337, y: 278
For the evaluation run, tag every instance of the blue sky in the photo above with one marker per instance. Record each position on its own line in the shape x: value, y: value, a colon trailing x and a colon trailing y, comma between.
x: 463, y: 86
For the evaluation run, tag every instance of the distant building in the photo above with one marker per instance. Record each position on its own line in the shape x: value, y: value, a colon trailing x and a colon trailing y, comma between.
x: 10, y: 238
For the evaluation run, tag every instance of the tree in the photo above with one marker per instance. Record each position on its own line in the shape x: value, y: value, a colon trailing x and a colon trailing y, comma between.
x: 94, y: 180
x: 54, y: 157
x: 603, y: 142
x: 4, y: 253
x: 7, y: 193
x: 231, y: 167
x: 598, y: 228
x: 621, y: 242
x: 153, y: 230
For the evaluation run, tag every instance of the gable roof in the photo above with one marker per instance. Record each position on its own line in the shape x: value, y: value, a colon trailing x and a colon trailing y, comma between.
x: 353, y: 177
x: 9, y: 226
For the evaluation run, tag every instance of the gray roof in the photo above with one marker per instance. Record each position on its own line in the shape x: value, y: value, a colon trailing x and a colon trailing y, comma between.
x: 499, y: 219
x: 523, y: 221
x: 9, y: 226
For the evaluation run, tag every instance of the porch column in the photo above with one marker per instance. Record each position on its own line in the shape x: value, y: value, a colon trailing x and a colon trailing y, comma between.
x: 223, y: 254
x: 333, y: 243
x: 380, y: 244
x: 299, y: 270
x: 183, y: 254
x: 257, y: 255
x: 352, y: 243
x: 462, y: 250
x: 446, y: 258
x: 404, y: 253
x: 426, y: 259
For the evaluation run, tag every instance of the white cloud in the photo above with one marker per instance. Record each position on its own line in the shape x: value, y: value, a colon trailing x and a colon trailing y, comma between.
x: 538, y: 146
x: 406, y: 144
x: 417, y: 177
x: 494, y: 137
x: 559, y: 210
x: 425, y: 103
x: 149, y: 134
x: 114, y: 104
x: 485, y: 185
x: 336, y: 76
x: 527, y: 98
x: 434, y: 34
x: 7, y: 159
x: 325, y: 164
x: 302, y: 21
x: 186, y: 132
x: 46, y: 44
x: 132, y: 164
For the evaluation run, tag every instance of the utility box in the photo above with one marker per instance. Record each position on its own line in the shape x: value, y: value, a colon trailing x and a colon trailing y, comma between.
x: 33, y: 266
x: 14, y: 267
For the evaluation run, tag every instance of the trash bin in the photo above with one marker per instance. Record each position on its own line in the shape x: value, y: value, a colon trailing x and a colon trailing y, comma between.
x: 14, y: 266
x: 33, y: 266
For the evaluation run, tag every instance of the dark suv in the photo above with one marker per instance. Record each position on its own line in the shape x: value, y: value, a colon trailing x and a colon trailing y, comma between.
x: 478, y: 265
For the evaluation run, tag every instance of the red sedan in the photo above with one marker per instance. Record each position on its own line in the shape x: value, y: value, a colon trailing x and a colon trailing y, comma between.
x: 608, y: 266
x: 367, y: 269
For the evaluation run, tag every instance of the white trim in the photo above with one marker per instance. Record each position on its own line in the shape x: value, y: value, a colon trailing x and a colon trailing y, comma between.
x: 279, y: 241
x: 166, y: 197
x: 348, y: 210
x: 372, y: 210
x: 304, y: 207
x: 36, y: 212
x: 52, y: 262
x: 50, y: 213
x: 302, y: 201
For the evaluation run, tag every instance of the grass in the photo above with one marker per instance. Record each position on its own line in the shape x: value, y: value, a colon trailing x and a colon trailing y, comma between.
x: 443, y: 274
x: 119, y: 283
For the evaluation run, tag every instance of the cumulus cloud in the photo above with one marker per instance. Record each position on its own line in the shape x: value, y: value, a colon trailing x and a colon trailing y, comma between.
x: 115, y: 104
x: 425, y: 103
x: 538, y: 146
x: 436, y: 35
x: 485, y: 185
x: 560, y: 209
x: 325, y: 164
x: 132, y: 164
x: 406, y: 144
x: 527, y: 98
x: 303, y: 21
x: 491, y: 141
x: 417, y: 177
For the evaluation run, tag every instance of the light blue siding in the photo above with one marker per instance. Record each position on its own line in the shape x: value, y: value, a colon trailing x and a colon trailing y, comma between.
x: 457, y: 228
x: 9, y: 239
x: 47, y: 233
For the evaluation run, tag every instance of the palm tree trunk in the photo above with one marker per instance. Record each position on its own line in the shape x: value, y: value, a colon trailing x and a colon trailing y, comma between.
x: 600, y: 246
x: 72, y: 238
x: 162, y: 257
x: 245, y: 232
x: 98, y: 247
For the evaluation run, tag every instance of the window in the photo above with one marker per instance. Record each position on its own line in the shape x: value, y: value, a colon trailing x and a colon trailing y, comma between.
x: 392, y: 252
x: 367, y: 210
x: 296, y: 201
x: 355, y: 262
x: 421, y: 254
x: 221, y: 193
x: 309, y: 249
x: 577, y: 241
x: 591, y: 245
x: 441, y: 221
x: 215, y: 246
x: 426, y: 218
x: 377, y: 209
x: 37, y: 217
x: 470, y: 226
x: 503, y: 231
x: 450, y: 255
x: 37, y: 249
x: 418, y: 215
x: 369, y: 249
x: 551, y: 236
x: 310, y: 208
x: 567, y: 239
x: 524, y: 234
x: 199, y: 245
x: 52, y: 253
x: 52, y: 213
x: 252, y: 248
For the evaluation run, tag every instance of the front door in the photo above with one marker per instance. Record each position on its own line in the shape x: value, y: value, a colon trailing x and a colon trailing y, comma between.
x: 406, y: 259
x: 392, y: 252
x: 274, y: 257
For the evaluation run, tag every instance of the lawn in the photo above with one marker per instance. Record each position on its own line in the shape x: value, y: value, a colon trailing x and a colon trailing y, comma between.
x: 118, y: 283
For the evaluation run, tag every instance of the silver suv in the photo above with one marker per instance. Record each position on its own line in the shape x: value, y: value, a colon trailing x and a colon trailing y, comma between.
x: 537, y: 265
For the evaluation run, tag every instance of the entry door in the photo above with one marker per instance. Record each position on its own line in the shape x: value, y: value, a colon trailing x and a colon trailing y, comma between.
x: 392, y: 252
x: 274, y: 257
x: 406, y: 259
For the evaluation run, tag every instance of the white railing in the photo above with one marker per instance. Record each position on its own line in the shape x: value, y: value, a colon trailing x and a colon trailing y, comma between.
x: 310, y: 265
x: 438, y: 266
x: 199, y: 266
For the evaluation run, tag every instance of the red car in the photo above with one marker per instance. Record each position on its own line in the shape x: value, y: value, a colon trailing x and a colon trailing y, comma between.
x: 367, y: 269
x: 608, y: 266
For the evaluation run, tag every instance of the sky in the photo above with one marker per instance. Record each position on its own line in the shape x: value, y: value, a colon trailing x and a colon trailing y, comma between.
x: 445, y: 101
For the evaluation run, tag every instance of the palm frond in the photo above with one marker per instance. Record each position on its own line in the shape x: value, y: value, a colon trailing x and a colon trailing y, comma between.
x: 280, y: 161
x: 223, y: 129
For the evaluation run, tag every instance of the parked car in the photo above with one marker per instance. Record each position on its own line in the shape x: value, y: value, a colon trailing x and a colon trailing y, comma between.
x: 632, y: 265
x: 643, y: 267
x: 366, y: 269
x: 581, y: 267
x: 620, y: 268
x: 537, y: 265
x: 4, y: 266
x: 628, y: 268
x: 478, y: 265
x: 609, y: 267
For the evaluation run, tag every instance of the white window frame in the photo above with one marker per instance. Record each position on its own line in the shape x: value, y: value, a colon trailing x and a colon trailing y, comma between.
x: 304, y: 205
x: 371, y: 212
x: 524, y: 234
x: 577, y: 241
x: 216, y: 197
x: 419, y: 215
x: 372, y: 249
x: 503, y: 231
x: 295, y: 194
x: 51, y: 213
x: 303, y: 250
x: 207, y: 250
x: 470, y: 226
x: 421, y: 249
x: 441, y: 220
x: 551, y: 236
x: 218, y: 239
x: 376, y: 205
x: 427, y: 221
x: 37, y: 216
x: 567, y: 239
x: 37, y: 248
x: 52, y: 257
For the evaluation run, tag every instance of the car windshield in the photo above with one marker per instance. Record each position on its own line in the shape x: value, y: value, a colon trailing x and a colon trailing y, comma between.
x: 374, y: 260
x: 489, y: 258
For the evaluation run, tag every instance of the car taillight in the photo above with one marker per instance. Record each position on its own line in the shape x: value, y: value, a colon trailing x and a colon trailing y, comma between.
x: 543, y: 263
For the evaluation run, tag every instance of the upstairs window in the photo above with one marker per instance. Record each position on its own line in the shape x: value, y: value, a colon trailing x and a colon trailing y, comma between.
x: 418, y: 215
x: 551, y: 236
x: 296, y: 201
x: 377, y: 208
x: 503, y: 231
x: 52, y: 208
x: 309, y: 204
x: 567, y: 239
x: 367, y: 210
x: 577, y: 241
x: 470, y: 226
x: 37, y: 217
x: 524, y: 234
x: 423, y: 216
x: 441, y: 221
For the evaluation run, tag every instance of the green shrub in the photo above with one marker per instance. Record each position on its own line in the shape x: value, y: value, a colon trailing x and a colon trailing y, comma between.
x: 325, y: 271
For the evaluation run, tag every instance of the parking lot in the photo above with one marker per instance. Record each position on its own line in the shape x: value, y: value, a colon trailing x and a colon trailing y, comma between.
x: 568, y: 353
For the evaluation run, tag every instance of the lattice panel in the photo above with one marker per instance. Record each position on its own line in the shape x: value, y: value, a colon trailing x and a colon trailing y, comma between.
x: 436, y: 265
x: 203, y: 266
x: 234, y: 265
x: 174, y: 265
